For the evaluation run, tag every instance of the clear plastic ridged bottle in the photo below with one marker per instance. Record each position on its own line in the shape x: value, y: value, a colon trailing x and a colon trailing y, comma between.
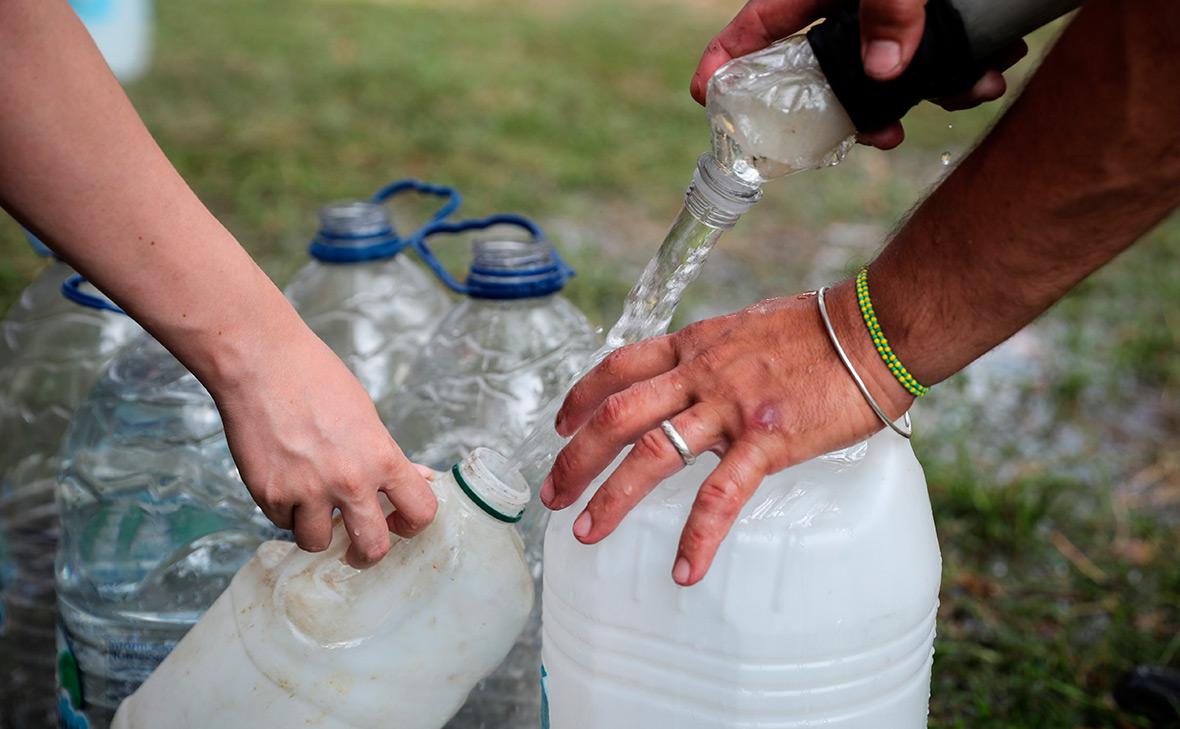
x: 52, y: 348
x: 373, y: 306
x: 485, y: 378
x: 155, y: 522
x: 500, y: 355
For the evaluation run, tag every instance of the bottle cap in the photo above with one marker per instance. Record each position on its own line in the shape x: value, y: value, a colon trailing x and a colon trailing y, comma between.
x: 355, y: 231
x: 503, y: 266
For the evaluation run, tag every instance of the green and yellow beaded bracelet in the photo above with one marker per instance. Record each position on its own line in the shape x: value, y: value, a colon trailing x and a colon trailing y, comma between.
x: 880, y: 342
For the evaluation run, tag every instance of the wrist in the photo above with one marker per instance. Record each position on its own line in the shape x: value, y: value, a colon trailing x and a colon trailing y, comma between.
x: 854, y: 337
x: 236, y: 355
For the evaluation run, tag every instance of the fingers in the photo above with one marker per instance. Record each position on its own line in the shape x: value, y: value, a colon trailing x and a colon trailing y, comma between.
x: 990, y: 86
x: 890, y: 31
x: 621, y: 369
x: 312, y: 526
x: 620, y: 419
x: 276, y: 504
x: 414, y: 504
x: 757, y: 25
x: 886, y: 138
x: 367, y: 532
x: 652, y: 460
x: 717, y: 505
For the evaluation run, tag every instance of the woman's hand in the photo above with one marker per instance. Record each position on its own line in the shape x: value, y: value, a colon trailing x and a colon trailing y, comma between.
x: 762, y: 388
x: 307, y: 439
x: 890, y: 33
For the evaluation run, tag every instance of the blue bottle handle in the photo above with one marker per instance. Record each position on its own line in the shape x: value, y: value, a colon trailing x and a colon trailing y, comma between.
x: 448, y: 227
x: 387, y: 243
x: 71, y: 288
x: 453, y: 198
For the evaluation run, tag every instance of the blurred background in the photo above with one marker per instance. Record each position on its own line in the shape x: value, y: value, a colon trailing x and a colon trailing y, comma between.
x: 1052, y: 462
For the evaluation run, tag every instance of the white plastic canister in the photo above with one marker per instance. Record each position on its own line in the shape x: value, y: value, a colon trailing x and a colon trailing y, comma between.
x: 818, y: 611
x: 302, y: 639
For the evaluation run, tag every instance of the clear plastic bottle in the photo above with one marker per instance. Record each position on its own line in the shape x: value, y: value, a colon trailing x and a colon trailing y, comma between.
x: 155, y: 522
x: 484, y: 379
x: 818, y: 611
x: 371, y: 304
x: 303, y: 639
x: 500, y: 355
x: 53, y: 344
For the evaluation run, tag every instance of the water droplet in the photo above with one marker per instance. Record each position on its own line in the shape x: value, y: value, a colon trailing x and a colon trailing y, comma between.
x: 946, y: 159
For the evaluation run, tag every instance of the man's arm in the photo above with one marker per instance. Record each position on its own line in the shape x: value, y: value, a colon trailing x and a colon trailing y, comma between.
x: 1082, y: 165
x: 1085, y: 162
x: 78, y: 168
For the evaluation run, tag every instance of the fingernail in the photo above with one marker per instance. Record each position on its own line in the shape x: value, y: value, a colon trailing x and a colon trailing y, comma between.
x: 547, y: 491
x: 882, y: 57
x: 582, y: 525
x: 681, y: 571
x: 558, y: 423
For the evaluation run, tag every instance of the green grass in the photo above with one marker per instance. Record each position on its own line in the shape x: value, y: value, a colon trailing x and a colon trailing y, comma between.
x: 578, y: 114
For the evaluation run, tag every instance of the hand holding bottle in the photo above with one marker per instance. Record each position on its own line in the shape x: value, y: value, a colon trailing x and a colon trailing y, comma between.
x: 761, y: 388
x: 890, y: 30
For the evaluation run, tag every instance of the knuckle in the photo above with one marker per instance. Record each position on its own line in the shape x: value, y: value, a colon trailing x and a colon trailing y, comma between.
x: 653, y: 445
x: 720, y: 496
x: 613, y: 411
x: 710, y: 361
x: 614, y: 364
x: 566, y: 465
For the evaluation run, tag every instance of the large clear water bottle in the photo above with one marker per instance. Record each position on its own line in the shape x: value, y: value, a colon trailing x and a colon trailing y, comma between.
x: 155, y: 522
x: 484, y: 379
x: 53, y: 344
x: 501, y: 353
x: 370, y: 303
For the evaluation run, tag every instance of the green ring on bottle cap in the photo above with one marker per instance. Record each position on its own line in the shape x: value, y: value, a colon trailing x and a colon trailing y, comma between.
x: 487, y: 508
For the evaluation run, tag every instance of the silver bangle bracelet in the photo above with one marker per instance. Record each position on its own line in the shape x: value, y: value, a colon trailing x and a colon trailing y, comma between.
x: 906, y: 429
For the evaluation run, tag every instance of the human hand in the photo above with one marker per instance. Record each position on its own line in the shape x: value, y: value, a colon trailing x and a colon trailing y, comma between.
x: 890, y: 33
x: 307, y: 439
x: 762, y: 388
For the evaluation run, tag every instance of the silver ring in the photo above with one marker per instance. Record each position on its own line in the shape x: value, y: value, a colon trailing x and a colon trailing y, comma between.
x: 678, y: 443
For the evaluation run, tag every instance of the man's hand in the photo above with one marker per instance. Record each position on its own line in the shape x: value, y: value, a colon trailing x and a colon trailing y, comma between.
x: 890, y: 33
x: 762, y: 388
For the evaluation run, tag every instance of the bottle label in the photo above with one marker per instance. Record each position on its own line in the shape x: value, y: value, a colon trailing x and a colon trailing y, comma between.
x: 544, y: 698
x: 69, y: 687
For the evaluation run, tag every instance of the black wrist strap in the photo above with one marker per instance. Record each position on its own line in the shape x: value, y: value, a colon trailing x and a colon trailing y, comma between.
x: 943, y: 65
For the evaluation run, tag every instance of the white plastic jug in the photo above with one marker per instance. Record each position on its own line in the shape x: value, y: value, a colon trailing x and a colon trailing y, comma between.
x: 819, y: 609
x: 303, y: 639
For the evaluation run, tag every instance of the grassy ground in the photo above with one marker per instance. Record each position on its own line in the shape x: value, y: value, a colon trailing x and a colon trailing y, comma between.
x: 1057, y: 505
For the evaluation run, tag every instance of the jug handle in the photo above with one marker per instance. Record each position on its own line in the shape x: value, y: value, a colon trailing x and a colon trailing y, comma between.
x: 448, y: 227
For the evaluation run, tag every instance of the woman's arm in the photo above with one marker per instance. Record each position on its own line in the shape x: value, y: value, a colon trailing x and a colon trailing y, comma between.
x: 78, y: 168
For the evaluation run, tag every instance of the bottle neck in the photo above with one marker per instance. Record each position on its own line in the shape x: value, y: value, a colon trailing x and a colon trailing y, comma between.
x: 488, y: 481
x: 355, y: 231
x: 507, y: 269
x: 717, y: 198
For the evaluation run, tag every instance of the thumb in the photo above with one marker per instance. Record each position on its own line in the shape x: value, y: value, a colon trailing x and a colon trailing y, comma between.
x: 890, y: 31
